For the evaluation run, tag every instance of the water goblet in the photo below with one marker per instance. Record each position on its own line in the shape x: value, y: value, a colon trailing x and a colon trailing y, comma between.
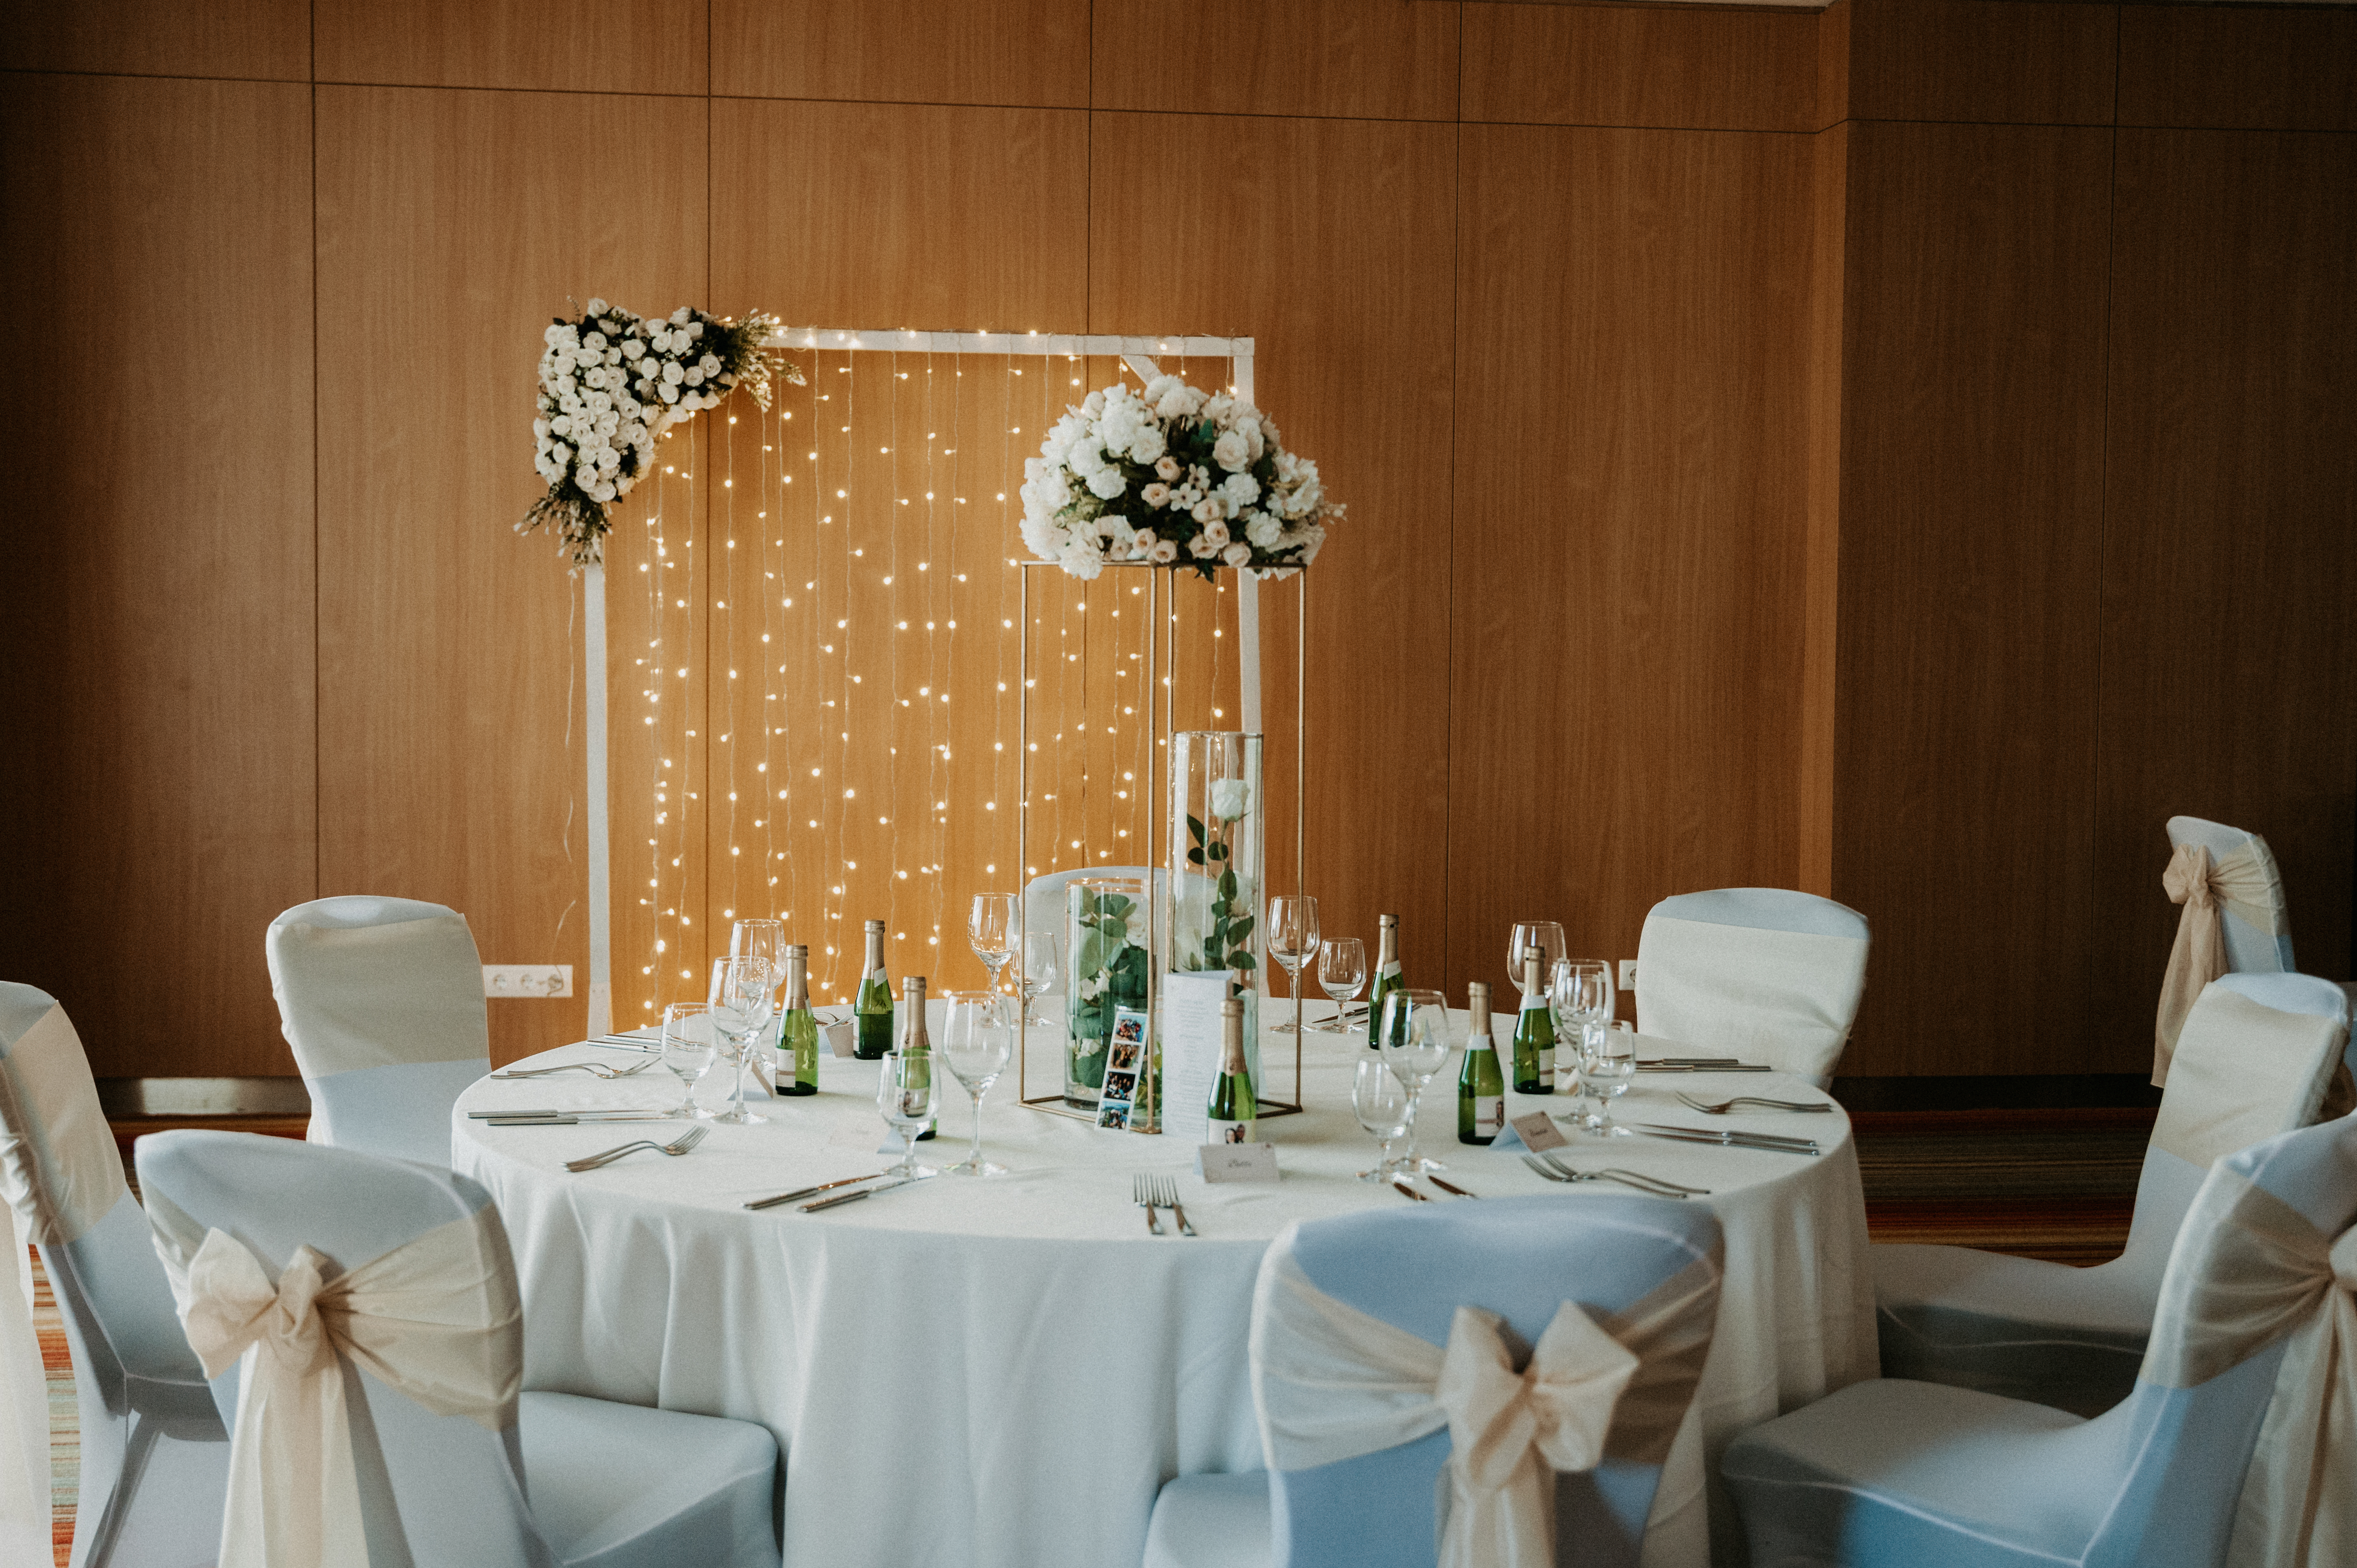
x: 1545, y: 935
x: 1415, y: 1048
x: 1043, y: 953
x: 741, y: 1006
x: 1579, y: 995
x: 994, y: 924
x: 976, y: 1042
x: 908, y: 1093
x: 1342, y: 974
x: 1609, y: 1059
x: 687, y: 1051
x: 1292, y: 933
x: 1380, y: 1102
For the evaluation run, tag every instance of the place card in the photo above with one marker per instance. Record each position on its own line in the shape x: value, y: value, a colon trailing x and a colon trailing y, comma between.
x: 1190, y: 1050
x: 1238, y: 1162
x: 1537, y: 1131
x: 842, y: 1036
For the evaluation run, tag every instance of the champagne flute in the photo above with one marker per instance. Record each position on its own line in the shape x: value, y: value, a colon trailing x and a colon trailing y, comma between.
x: 687, y: 1051
x: 741, y: 1006
x: 1580, y: 1000
x: 994, y: 924
x: 764, y: 939
x: 1380, y: 1102
x: 1043, y: 954
x: 1545, y: 935
x: 976, y: 1042
x: 1342, y: 974
x: 1415, y: 1048
x: 907, y: 1092
x: 1292, y: 933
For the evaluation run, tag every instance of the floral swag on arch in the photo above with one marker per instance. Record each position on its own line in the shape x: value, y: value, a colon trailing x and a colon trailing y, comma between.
x: 1174, y: 476
x: 611, y: 383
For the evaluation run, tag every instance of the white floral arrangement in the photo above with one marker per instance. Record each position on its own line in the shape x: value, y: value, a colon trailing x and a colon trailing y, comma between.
x: 610, y: 385
x: 1175, y: 476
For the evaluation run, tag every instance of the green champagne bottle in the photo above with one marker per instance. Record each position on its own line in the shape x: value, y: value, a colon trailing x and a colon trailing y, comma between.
x: 1387, y: 978
x: 1534, y: 1031
x: 915, y: 1041
x: 1480, y: 1086
x: 798, y: 1036
x: 874, y: 1005
x: 1234, y: 1109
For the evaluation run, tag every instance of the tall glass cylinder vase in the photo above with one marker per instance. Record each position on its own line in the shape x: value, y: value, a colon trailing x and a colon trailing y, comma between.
x: 1106, y: 942
x: 1219, y: 827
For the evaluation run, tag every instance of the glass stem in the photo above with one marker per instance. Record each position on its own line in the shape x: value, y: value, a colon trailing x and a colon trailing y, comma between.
x: 974, y: 1156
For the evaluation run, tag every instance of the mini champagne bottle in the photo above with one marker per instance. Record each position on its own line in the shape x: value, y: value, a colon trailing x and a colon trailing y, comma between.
x: 798, y: 1036
x: 1534, y: 1030
x: 1387, y: 978
x: 874, y: 1005
x: 1234, y: 1108
x: 915, y: 1041
x: 1480, y: 1087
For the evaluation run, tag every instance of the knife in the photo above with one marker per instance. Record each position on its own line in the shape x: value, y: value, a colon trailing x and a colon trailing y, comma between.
x: 856, y: 1195
x: 1746, y: 1133
x: 1409, y: 1190
x: 809, y: 1191
x: 1731, y: 1066
x: 1689, y: 1061
x: 571, y: 1118
x: 1732, y: 1140
x: 1450, y: 1187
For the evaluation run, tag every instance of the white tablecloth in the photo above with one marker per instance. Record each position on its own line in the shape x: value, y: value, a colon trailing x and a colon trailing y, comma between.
x: 1001, y: 1374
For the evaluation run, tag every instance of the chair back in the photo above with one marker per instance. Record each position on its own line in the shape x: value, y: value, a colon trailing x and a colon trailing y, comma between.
x: 1763, y: 973
x: 2255, y: 1059
x: 64, y: 1182
x: 2180, y: 1445
x: 434, y: 1488
x: 1522, y: 1258
x: 1043, y: 896
x: 2249, y: 949
x: 382, y: 1001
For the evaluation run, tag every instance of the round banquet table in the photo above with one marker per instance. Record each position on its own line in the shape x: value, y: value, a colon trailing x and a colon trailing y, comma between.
x: 1002, y: 1373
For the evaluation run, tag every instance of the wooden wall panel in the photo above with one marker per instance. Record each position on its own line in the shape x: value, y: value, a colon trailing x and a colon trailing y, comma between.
x: 1395, y: 60
x: 2229, y: 556
x: 847, y: 214
x: 1627, y: 562
x: 1604, y: 65
x: 254, y: 39
x: 164, y: 613
x: 1348, y: 302
x: 1821, y: 592
x: 1983, y: 60
x: 611, y: 46
x: 1032, y: 52
x: 2261, y: 67
x: 1972, y: 498
x: 445, y: 768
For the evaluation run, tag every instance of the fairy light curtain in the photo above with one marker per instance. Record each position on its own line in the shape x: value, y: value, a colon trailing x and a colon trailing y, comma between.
x: 813, y: 656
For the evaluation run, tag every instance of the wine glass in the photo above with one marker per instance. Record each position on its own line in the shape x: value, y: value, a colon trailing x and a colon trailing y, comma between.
x: 1342, y: 974
x: 1382, y: 1103
x: 992, y: 926
x: 1608, y: 1061
x: 1043, y: 953
x: 1545, y: 935
x: 1580, y: 1000
x: 1415, y: 1048
x: 976, y: 1042
x: 741, y: 1006
x: 687, y: 1051
x: 907, y: 1093
x: 1292, y: 933
x: 764, y: 939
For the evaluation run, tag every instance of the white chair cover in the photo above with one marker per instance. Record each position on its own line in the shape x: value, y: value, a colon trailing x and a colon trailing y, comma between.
x: 2244, y: 881
x: 389, y: 988
x: 2255, y: 1058
x: 1757, y: 973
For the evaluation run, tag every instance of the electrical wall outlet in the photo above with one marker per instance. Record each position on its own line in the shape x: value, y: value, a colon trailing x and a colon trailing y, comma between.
x: 527, y: 980
x: 1628, y: 974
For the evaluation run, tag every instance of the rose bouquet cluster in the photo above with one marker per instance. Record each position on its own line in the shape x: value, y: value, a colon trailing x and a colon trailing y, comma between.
x: 611, y: 383
x: 1175, y: 476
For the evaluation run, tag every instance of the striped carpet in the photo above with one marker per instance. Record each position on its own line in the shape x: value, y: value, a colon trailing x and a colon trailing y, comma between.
x: 2056, y: 1185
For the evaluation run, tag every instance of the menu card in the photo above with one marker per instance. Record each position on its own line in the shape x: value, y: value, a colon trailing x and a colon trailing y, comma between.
x: 1190, y: 1051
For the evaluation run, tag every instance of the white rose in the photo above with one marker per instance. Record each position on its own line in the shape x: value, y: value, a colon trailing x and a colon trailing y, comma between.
x: 1201, y: 548
x: 1263, y: 530
x: 670, y: 392
x: 709, y: 364
x: 1147, y: 446
x: 1217, y: 408
x: 694, y: 378
x: 597, y: 306
x: 1217, y: 533
x: 1162, y: 552
x: 553, y: 336
x: 1106, y: 483
x: 1081, y: 559
x: 1236, y: 554
x: 632, y: 349
x: 695, y: 328
x: 1155, y: 495
x: 1207, y: 511
x: 678, y: 318
x: 670, y: 375
x: 1093, y: 404
x: 561, y: 454
x: 1240, y: 490
x: 1231, y: 797
x: 1232, y: 451
x: 1167, y: 468
x: 1161, y: 385
x: 594, y: 342
x: 1179, y: 403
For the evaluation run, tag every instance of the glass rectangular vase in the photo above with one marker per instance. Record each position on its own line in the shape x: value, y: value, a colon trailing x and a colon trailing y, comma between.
x: 1218, y: 838
x: 1106, y: 942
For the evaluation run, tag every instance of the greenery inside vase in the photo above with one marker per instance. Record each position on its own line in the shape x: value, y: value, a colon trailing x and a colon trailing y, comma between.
x: 1108, y: 973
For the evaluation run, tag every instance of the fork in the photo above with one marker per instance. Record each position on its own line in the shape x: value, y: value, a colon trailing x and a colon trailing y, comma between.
x: 685, y: 1142
x: 1643, y: 1183
x: 1550, y: 1157
x: 1166, y: 1193
x: 594, y: 1070
x: 1141, y: 1192
x: 1722, y: 1108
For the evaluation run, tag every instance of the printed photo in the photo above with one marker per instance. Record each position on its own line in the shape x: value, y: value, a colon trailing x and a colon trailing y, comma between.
x: 1115, y: 1114
x: 1234, y: 1134
x: 1129, y: 1028
x: 1125, y: 1054
x: 1121, y: 1086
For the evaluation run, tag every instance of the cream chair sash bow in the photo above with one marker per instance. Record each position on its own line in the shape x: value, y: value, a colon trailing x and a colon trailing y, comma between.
x: 2265, y: 1268
x: 2244, y: 881
x: 436, y: 1319
x: 1333, y: 1383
